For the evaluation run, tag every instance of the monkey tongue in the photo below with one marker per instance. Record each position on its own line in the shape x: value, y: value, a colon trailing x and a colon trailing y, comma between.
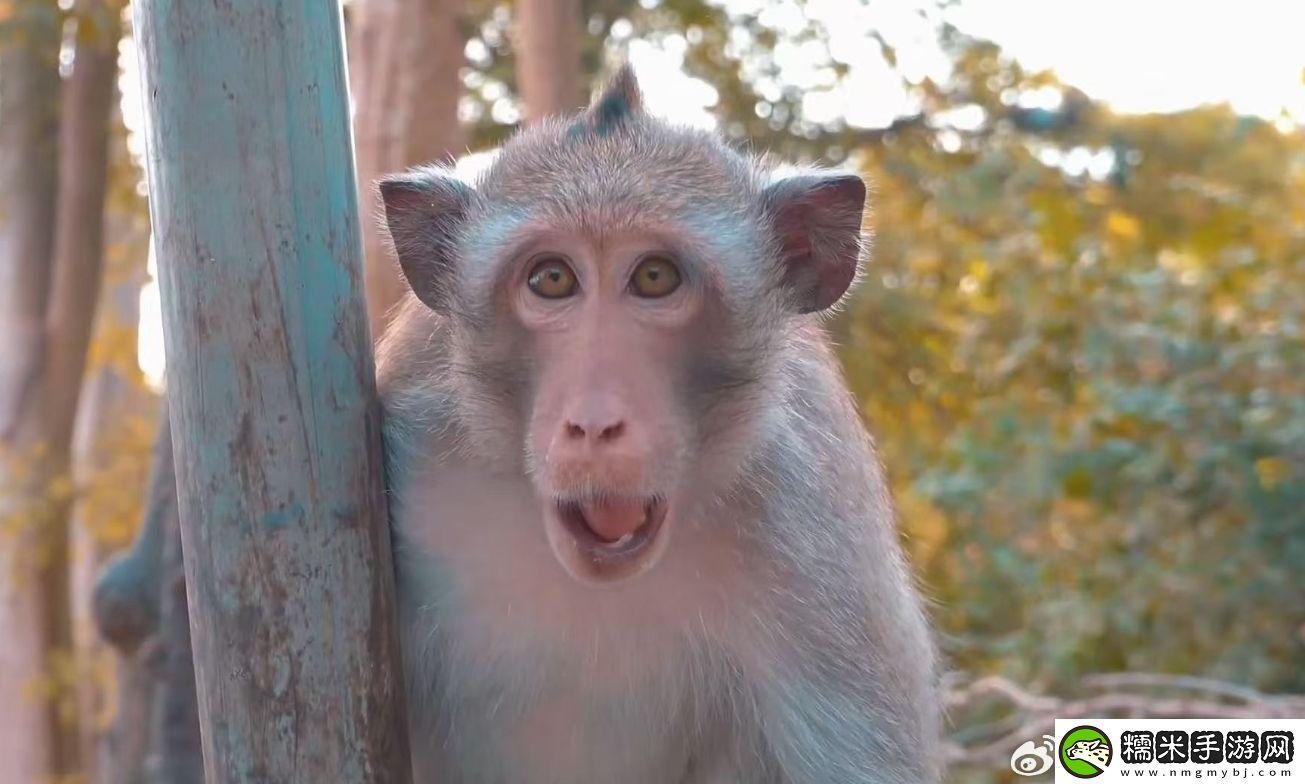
x: 612, y: 521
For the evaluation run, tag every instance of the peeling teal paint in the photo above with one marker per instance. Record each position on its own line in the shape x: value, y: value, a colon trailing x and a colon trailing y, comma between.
x: 271, y: 387
x: 285, y: 516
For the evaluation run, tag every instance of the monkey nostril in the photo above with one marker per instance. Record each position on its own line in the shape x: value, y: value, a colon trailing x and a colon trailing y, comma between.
x: 594, y: 433
x: 611, y: 432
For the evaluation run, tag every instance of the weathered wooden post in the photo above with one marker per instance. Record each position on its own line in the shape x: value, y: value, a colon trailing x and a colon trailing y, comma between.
x: 274, y: 416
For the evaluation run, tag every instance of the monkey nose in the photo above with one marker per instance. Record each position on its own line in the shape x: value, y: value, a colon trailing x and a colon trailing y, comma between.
x: 594, y: 420
x: 592, y: 430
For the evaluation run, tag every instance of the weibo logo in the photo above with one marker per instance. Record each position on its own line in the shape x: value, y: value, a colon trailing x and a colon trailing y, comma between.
x: 1031, y: 759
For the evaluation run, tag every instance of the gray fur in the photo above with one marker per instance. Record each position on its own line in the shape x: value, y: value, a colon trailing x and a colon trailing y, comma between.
x: 806, y: 659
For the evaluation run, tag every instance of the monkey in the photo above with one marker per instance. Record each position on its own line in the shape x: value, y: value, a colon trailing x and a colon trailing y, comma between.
x: 640, y: 531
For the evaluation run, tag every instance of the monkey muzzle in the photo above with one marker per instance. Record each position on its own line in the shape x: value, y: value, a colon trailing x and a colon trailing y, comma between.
x: 605, y: 540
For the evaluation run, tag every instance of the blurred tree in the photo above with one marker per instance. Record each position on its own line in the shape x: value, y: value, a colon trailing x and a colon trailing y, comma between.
x: 140, y: 606
x: 548, y: 62
x: 496, y: 91
x: 111, y: 448
x: 58, y: 269
x: 1079, y: 346
x: 33, y: 557
x: 404, y: 64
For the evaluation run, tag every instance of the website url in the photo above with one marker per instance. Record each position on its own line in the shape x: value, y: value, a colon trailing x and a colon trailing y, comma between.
x: 1214, y: 773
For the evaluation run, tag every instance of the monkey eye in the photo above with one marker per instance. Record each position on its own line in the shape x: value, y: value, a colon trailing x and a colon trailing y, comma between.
x: 552, y: 278
x: 655, y: 276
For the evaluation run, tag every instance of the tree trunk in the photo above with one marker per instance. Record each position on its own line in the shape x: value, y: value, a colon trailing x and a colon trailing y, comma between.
x: 79, y: 228
x: 140, y: 605
x: 33, y: 577
x: 178, y: 758
x: 117, y: 419
x: 121, y: 753
x: 548, y: 56
x: 115, y: 407
x: 275, y: 421
x: 110, y: 460
x: 126, y: 605
x: 404, y: 61
x: 115, y: 691
x: 46, y: 406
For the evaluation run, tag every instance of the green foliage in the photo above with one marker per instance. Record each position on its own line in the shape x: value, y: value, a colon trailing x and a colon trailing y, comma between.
x: 1091, y: 389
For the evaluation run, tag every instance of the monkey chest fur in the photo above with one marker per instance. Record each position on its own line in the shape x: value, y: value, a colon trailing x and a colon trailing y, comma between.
x: 517, y: 673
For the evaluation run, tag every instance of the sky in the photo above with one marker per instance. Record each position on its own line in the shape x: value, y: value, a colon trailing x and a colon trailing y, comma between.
x: 1136, y: 55
x: 1159, y: 55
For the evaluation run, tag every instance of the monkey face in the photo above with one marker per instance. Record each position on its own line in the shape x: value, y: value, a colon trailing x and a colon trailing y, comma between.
x: 608, y: 325
x: 618, y: 294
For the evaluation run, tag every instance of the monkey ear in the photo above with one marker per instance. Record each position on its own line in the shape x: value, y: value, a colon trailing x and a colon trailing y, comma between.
x: 424, y: 208
x: 817, y: 221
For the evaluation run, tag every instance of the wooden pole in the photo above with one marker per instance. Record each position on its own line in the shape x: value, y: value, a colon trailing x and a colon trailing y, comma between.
x: 275, y: 421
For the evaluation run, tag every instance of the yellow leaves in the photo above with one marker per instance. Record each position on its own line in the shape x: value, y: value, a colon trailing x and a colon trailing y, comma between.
x: 925, y: 526
x: 976, y: 276
x: 925, y: 263
x: 977, y: 289
x: 114, y: 346
x: 1123, y: 226
x: 109, y: 498
x: 57, y: 684
x: 94, y: 681
x: 1272, y: 472
x: 33, y: 492
x: 1077, y: 483
x: 112, y: 495
x: 67, y: 680
x: 1097, y: 194
x: 59, y: 488
x: 1059, y: 225
x: 918, y: 415
x: 1070, y: 518
x: 1126, y: 426
x: 1176, y: 262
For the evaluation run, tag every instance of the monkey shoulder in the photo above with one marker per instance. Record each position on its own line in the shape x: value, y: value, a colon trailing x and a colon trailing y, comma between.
x: 820, y: 455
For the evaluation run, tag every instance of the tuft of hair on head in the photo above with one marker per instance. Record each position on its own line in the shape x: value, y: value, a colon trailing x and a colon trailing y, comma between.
x: 618, y: 101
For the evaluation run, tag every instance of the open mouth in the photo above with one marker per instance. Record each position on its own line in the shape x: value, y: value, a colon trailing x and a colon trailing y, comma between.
x: 604, y: 540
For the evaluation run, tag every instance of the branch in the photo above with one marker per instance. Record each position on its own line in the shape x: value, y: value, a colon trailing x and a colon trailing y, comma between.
x: 1126, y: 694
x: 126, y: 601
